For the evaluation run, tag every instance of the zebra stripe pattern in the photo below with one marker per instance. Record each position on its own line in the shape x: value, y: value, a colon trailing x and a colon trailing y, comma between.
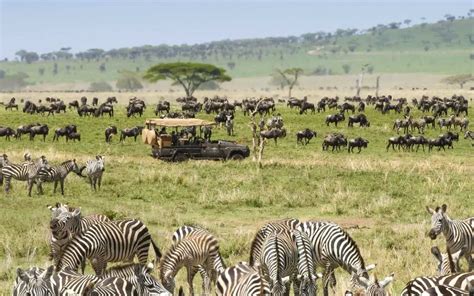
x: 418, y: 285
x: 109, y: 242
x: 23, y: 172
x: 31, y: 282
x: 334, y: 248
x: 198, y: 248
x: 3, y: 162
x: 305, y: 281
x: 242, y: 279
x: 94, y: 170
x: 21, y: 287
x: 447, y: 262
x: 443, y: 290
x: 279, y: 260
x: 459, y: 234
x: 57, y: 174
x: 373, y: 287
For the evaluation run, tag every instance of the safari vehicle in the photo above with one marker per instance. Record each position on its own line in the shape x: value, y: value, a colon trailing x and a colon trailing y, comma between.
x: 167, y: 145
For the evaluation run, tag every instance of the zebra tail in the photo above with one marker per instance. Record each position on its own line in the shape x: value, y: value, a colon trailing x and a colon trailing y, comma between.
x: 156, y: 249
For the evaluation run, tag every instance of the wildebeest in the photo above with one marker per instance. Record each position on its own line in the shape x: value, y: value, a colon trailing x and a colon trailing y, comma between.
x: 346, y: 107
x: 305, y: 136
x: 24, y: 129
x: 134, y: 109
x: 418, y: 124
x: 430, y: 120
x: 399, y: 141
x: 463, y: 123
x: 449, y: 137
x: 335, y: 140
x: 439, y: 142
x: 321, y: 106
x: 357, y: 142
x: 305, y: 106
x: 162, y: 106
x: 73, y: 136
x: 361, y: 107
x: 86, y: 110
x: 335, y: 118
x: 469, y: 134
x: 130, y: 132
x: 109, y: 131
x: 7, y: 132
x: 61, y: 132
x: 39, y: 130
x: 274, y: 133
x: 73, y: 104
x: 294, y: 102
x: 29, y: 107
x: 111, y: 100
x: 95, y: 101
x: 207, y: 132
x: 275, y: 122
x: 445, y: 122
x: 104, y: 108
x: 402, y: 123
x: 359, y: 118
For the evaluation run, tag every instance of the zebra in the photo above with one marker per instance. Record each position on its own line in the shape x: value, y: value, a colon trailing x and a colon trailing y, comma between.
x: 447, y: 263
x: 65, y: 224
x: 373, y: 287
x: 334, y: 248
x: 242, y: 279
x: 194, y: 251
x: 109, y: 242
x: 305, y: 281
x: 256, y: 246
x: 94, y: 170
x: 57, y: 174
x: 34, y: 281
x: 443, y: 290
x: 23, y: 172
x: 20, y: 287
x: 420, y: 284
x: 111, y: 286
x: 279, y: 260
x: 3, y: 162
x: 229, y: 124
x: 459, y: 234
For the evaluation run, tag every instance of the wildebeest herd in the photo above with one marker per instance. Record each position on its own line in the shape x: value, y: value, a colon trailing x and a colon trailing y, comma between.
x: 284, y: 254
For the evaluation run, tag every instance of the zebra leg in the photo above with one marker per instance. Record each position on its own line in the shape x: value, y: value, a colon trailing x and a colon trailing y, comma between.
x: 296, y: 286
x: 62, y: 186
x: 55, y: 186
x: 190, y: 277
x: 7, y: 184
x: 30, y: 186
x: 99, y: 181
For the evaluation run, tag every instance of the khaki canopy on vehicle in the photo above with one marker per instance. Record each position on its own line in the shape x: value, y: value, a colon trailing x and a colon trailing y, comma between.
x: 149, y: 135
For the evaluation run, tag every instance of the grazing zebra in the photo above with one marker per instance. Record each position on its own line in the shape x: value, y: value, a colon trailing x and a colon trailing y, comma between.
x: 305, y: 281
x: 256, y: 246
x: 3, y: 162
x: 334, y: 248
x: 56, y: 174
x: 373, y: 288
x: 443, y: 290
x: 459, y: 234
x: 94, y: 170
x: 447, y: 263
x: 65, y: 224
x: 242, y: 279
x: 20, y: 287
x: 418, y: 285
x: 109, y: 242
x: 279, y: 260
x: 23, y: 172
x: 111, y: 286
x: 196, y: 250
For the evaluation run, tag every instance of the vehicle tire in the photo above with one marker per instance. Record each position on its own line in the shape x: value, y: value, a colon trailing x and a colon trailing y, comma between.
x: 236, y: 156
x: 179, y: 157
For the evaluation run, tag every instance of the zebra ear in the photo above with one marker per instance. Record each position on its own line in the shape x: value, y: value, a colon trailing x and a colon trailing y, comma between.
x: 430, y: 210
x: 444, y: 208
x: 362, y: 281
x: 435, y: 251
x: 77, y: 212
x: 386, y: 281
x: 97, y: 157
x: 47, y: 273
x: 22, y: 275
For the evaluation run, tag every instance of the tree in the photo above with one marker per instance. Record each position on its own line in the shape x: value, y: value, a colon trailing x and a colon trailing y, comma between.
x: 31, y: 57
x: 231, y: 65
x: 290, y: 76
x: 100, y: 86
x: 407, y: 22
x: 129, y: 81
x: 21, y: 54
x: 460, y: 79
x: 346, y: 68
x: 189, y: 75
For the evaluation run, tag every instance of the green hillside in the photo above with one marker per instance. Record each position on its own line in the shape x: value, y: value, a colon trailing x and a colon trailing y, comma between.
x: 444, y: 47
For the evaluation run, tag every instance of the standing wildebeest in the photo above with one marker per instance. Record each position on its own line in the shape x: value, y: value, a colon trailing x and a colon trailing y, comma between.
x: 305, y: 135
x: 307, y: 106
x: 463, y: 123
x: 357, y: 142
x: 104, y: 108
x: 418, y: 124
x: 430, y: 120
x: 24, y: 129
x: 111, y: 100
x: 400, y: 141
x: 359, y: 118
x: 361, y: 107
x: 418, y: 140
x: 469, y: 134
x: 346, y: 107
x: 74, y: 104
x: 83, y: 101
x: 39, y: 130
x: 109, y: 131
x: 322, y: 106
x: 335, y: 140
x: 207, y: 132
x: 445, y: 122
x: 335, y: 118
x: 294, y: 102
x: 134, y: 109
x: 86, y: 110
x: 11, y: 105
x: 95, y: 101
x: 7, y: 132
x: 449, y: 137
x: 30, y: 107
x: 274, y: 133
x: 162, y: 106
x: 274, y: 122
x: 402, y: 123
x: 65, y: 131
x: 73, y: 136
x: 130, y: 132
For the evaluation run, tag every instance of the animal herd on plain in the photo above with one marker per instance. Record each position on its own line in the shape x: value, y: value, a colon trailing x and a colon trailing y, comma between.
x: 284, y: 254
x: 226, y: 112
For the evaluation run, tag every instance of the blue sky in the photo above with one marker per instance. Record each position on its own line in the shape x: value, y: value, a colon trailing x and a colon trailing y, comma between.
x: 47, y: 25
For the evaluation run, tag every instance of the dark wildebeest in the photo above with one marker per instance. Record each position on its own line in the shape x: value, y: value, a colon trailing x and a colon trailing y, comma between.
x: 74, y: 104
x: 305, y: 135
x: 361, y: 107
x: 335, y: 118
x: 402, y: 123
x: 274, y: 133
x: 294, y: 102
x: 430, y: 120
x: 86, y: 110
x: 111, y: 100
x: 439, y: 142
x: 274, y: 122
x: 399, y: 141
x: 73, y: 136
x: 418, y: 140
x: 335, y: 140
x: 83, y: 101
x: 130, y: 132
x: 109, y: 131
x: 95, y: 101
x: 30, y: 107
x: 135, y: 109
x: 307, y: 106
x: 357, y: 142
x: 7, y: 132
x: 321, y: 106
x: 162, y: 106
x: 346, y: 107
x: 24, y: 129
x: 104, y: 108
x: 419, y: 124
x: 61, y: 132
x: 39, y: 130
x: 359, y: 118
x: 207, y: 132
x: 449, y: 137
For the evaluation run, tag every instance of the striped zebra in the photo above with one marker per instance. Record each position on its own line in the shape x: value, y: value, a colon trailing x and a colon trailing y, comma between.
x: 111, y: 286
x: 23, y: 172
x: 334, y: 248
x: 418, y: 285
x: 21, y: 287
x: 305, y: 281
x: 447, y: 262
x: 443, y: 290
x: 278, y: 225
x: 57, y: 174
x: 67, y: 223
x: 196, y: 250
x: 459, y: 234
x: 373, y: 287
x: 3, y: 162
x: 34, y: 281
x: 242, y: 279
x: 94, y: 170
x: 279, y: 259
x: 109, y: 242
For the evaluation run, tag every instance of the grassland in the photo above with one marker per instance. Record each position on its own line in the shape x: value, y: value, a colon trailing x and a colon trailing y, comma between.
x: 378, y: 196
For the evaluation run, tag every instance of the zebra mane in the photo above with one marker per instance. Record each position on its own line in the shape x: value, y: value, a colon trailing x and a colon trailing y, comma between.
x: 67, y: 161
x: 123, y: 267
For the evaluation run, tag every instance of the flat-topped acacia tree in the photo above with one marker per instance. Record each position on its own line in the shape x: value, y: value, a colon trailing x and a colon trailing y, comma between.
x: 189, y: 75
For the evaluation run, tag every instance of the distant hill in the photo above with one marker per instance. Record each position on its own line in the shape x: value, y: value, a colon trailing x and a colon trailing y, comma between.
x: 445, y: 47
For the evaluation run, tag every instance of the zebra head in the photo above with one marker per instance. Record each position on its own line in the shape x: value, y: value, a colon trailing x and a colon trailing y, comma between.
x: 34, y: 284
x: 167, y: 279
x: 308, y: 284
x: 375, y: 288
x: 438, y: 217
x: 20, y: 287
x: 279, y: 286
x: 57, y: 209
x: 149, y: 286
x: 64, y: 220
